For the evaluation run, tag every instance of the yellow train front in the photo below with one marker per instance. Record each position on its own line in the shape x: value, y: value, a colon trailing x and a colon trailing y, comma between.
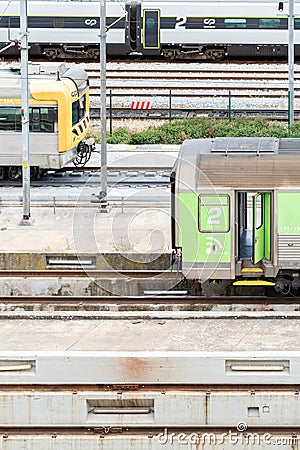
x: 59, y: 119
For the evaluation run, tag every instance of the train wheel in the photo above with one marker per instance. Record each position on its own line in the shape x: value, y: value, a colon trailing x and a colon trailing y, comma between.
x: 215, y: 54
x: 93, y: 53
x: 14, y: 173
x: 34, y: 172
x: 53, y: 53
x: 170, y: 53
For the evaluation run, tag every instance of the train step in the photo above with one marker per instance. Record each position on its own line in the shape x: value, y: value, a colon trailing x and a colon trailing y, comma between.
x: 252, y: 272
x: 253, y: 282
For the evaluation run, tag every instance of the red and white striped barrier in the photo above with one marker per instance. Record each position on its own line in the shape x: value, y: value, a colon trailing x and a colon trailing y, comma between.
x: 141, y: 105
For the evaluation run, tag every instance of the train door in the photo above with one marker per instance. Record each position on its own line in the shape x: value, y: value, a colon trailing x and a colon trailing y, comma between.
x: 254, y: 224
x: 133, y: 26
x: 261, y: 226
x: 151, y: 30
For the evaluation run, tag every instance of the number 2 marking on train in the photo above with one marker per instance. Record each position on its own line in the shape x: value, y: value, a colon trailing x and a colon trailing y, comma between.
x: 213, y: 216
x: 90, y: 22
x: 180, y: 22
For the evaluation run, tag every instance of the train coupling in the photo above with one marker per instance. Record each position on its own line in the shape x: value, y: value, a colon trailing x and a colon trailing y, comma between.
x: 84, y: 151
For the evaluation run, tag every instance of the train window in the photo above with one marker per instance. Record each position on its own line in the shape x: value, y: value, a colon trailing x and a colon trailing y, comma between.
x: 58, y: 22
x: 11, y: 120
x: 40, y: 22
x: 297, y: 24
x: 269, y: 23
x: 258, y: 211
x: 8, y: 119
x: 4, y: 22
x: 150, y: 23
x: 214, y: 213
x: 35, y: 119
x: 78, y: 110
x: 46, y: 124
x: 14, y: 22
x: 151, y: 29
x: 40, y: 120
x: 82, y: 107
x: 75, y: 112
x: 235, y: 23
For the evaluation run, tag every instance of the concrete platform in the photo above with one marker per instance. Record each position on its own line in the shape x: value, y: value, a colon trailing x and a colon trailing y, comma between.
x: 136, y: 156
x: 152, y: 335
x: 143, y: 228
x: 241, y: 351
x: 84, y: 230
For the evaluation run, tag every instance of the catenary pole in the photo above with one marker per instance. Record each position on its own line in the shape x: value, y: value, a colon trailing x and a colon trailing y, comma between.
x: 103, y: 193
x: 291, y: 60
x: 25, y: 113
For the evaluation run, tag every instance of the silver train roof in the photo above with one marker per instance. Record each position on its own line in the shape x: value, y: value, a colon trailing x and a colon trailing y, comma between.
x: 238, y: 163
x: 10, y: 77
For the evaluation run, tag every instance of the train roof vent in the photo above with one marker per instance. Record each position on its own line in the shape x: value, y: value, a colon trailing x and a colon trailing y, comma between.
x: 46, y: 69
x: 245, y: 145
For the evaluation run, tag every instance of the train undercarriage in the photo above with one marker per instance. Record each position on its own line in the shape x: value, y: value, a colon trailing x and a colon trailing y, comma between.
x: 194, y: 52
x: 81, y: 156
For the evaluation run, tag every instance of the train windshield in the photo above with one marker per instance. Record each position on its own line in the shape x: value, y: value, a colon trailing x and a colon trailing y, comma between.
x: 78, y: 110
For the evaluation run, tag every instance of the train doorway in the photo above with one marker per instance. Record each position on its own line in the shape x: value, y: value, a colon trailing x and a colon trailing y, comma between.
x: 151, y: 29
x: 254, y: 222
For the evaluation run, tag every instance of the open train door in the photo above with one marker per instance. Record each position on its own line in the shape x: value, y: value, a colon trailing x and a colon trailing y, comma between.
x: 261, y: 226
x: 151, y: 29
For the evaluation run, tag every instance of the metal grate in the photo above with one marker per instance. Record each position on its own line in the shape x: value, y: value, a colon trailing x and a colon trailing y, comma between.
x: 245, y: 145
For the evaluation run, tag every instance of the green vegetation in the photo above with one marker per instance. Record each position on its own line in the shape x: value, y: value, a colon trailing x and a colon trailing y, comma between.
x: 177, y: 131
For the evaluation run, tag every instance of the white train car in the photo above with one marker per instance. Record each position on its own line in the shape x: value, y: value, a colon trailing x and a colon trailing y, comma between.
x: 216, y: 29
x: 200, y: 29
x: 65, y: 29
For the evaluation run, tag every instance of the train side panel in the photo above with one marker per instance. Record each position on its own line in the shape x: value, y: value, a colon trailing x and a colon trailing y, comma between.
x: 289, y: 230
x: 71, y: 26
x: 195, y: 29
x: 43, y: 151
x: 205, y: 235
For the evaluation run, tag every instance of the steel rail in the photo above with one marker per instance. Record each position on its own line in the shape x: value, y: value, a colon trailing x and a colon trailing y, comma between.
x: 193, y: 75
x: 183, y: 113
x: 140, y: 430
x: 83, y: 273
x: 167, y: 300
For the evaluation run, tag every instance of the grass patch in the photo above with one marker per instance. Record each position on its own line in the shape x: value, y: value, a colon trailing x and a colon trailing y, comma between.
x: 177, y: 131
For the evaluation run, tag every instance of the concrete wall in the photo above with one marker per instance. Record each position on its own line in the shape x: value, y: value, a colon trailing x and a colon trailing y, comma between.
x: 105, y: 261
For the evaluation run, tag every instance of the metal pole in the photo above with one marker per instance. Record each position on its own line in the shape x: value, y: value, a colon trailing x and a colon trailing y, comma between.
x: 289, y: 109
x: 103, y: 193
x: 229, y: 106
x: 291, y: 60
x: 110, y: 113
x: 170, y: 106
x: 25, y: 114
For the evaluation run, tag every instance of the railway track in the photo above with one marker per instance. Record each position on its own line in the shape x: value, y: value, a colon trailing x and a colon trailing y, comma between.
x: 91, y: 177
x: 169, y: 299
x: 81, y: 273
x: 148, y: 307
x: 188, y: 113
x: 188, y: 81
x: 196, y: 89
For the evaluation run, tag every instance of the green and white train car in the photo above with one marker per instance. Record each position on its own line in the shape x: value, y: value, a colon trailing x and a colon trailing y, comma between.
x: 236, y: 212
